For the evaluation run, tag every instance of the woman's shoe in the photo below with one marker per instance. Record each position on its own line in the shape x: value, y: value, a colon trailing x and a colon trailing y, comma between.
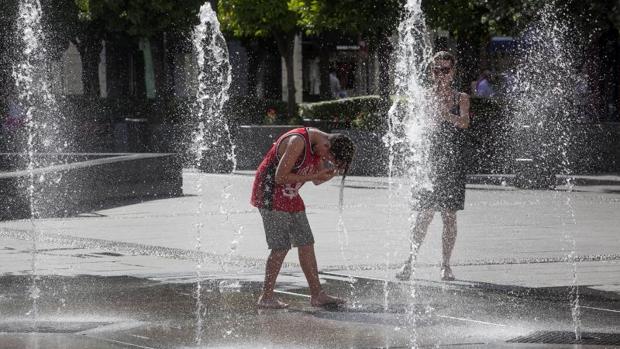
x: 446, y: 273
x: 404, y: 274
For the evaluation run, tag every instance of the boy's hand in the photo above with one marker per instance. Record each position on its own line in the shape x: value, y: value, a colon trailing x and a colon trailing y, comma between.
x: 325, y: 174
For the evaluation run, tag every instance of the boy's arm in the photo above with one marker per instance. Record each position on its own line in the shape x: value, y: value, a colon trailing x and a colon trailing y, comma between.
x: 295, y: 147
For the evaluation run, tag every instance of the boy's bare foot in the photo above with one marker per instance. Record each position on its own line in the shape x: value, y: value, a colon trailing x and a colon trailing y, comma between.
x: 323, y: 299
x: 271, y: 303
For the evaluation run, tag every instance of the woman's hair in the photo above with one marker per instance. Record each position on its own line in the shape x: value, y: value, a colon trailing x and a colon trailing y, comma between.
x: 343, y: 149
x: 445, y: 56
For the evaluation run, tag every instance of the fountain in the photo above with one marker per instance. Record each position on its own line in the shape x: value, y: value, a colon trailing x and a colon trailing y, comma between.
x: 185, y: 272
x: 42, y: 179
x: 211, y: 139
x: 409, y: 125
x: 542, y: 100
x: 211, y: 142
x: 42, y: 121
x: 542, y: 109
x: 43, y: 175
x: 540, y: 105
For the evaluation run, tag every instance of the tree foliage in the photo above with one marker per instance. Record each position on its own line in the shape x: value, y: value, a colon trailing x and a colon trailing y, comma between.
x: 265, y: 18
x: 595, y: 16
x: 141, y: 18
x: 370, y: 18
x: 258, y: 18
x: 478, y: 19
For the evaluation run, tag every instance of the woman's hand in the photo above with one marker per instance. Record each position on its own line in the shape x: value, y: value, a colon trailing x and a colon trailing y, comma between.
x: 460, y: 121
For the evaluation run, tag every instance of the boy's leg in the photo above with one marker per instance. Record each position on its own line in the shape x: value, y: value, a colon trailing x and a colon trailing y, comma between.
x: 276, y: 226
x: 307, y: 260
x: 272, y: 269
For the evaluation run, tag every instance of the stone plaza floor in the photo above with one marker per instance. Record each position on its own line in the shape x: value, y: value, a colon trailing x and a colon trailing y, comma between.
x: 185, y: 272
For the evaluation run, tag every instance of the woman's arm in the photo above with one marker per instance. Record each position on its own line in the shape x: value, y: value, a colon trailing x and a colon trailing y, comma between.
x: 464, y: 104
x: 294, y: 148
x: 461, y: 120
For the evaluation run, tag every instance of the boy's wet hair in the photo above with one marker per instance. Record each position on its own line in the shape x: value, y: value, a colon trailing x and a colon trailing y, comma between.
x: 343, y: 149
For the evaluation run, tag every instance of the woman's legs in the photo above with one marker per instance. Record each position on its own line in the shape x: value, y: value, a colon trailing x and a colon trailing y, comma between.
x: 420, y: 227
x: 418, y: 233
x: 448, y: 239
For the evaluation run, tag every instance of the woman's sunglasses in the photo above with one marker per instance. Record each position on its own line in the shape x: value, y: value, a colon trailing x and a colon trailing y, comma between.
x: 442, y: 70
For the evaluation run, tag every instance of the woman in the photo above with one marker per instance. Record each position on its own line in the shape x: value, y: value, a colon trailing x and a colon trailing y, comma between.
x: 451, y: 116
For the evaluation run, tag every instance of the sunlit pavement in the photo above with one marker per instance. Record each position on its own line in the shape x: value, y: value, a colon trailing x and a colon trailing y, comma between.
x: 126, y: 277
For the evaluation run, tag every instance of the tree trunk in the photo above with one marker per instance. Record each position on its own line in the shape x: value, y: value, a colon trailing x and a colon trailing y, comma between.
x: 384, y: 51
x: 468, y: 54
x: 89, y: 46
x: 149, y: 70
x: 138, y: 80
x: 270, y: 73
x: 165, y: 62
x: 324, y: 55
x: 255, y: 57
x: 286, y: 46
x: 118, y: 70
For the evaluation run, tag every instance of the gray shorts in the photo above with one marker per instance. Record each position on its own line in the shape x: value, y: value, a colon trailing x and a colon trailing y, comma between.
x: 284, y: 229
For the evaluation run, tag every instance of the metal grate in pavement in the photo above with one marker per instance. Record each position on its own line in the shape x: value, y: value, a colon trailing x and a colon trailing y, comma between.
x: 567, y: 337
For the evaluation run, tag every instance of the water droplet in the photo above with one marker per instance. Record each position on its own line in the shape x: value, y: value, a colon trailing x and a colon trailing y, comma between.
x: 225, y: 286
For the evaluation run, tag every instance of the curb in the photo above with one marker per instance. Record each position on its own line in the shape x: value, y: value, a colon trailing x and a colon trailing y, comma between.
x: 493, y: 179
x: 549, y: 293
x: 509, y: 179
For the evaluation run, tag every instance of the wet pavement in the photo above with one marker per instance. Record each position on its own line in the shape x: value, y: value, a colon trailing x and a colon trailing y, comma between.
x: 141, y: 276
x: 128, y: 312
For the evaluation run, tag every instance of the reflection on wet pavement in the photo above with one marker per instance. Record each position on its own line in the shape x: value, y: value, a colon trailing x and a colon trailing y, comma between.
x: 117, y: 312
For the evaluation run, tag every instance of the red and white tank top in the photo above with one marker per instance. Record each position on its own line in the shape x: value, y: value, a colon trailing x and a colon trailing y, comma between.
x: 283, y: 197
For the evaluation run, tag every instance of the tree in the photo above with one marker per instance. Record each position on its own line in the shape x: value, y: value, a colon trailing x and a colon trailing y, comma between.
x: 265, y: 18
x: 64, y: 24
x: 140, y: 20
x: 373, y: 20
x: 7, y: 49
x: 473, y: 22
x: 469, y: 23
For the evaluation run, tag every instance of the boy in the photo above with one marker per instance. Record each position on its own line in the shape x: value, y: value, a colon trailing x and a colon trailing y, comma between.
x: 298, y: 156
